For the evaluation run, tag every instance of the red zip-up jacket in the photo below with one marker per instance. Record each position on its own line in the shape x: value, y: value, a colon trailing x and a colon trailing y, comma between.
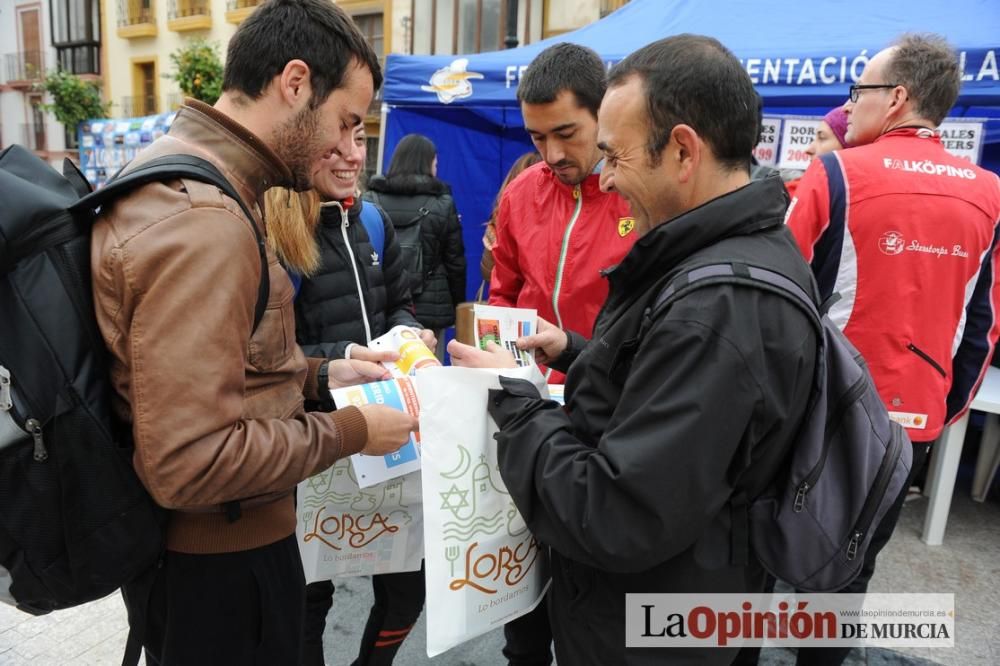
x: 906, y: 234
x: 553, y: 241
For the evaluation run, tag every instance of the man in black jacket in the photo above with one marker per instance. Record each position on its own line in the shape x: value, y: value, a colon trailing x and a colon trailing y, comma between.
x: 631, y: 485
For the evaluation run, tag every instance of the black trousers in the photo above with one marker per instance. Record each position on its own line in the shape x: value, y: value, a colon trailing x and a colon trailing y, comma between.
x: 399, y: 598
x: 529, y: 638
x: 228, y: 608
x: 834, y: 656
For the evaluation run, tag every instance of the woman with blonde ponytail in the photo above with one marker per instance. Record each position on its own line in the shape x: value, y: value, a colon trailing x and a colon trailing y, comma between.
x: 351, y: 288
x: 292, y: 218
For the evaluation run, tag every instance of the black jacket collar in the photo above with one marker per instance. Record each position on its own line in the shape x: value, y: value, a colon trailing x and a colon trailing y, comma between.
x: 757, y: 206
x: 408, y: 184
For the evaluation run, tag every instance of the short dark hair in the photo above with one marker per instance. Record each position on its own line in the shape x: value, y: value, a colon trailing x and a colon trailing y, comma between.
x: 317, y: 32
x: 414, y: 155
x: 926, y: 65
x: 561, y: 67
x: 696, y: 81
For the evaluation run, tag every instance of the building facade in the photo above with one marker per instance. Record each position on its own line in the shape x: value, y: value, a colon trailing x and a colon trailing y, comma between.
x: 126, y: 44
x: 40, y: 36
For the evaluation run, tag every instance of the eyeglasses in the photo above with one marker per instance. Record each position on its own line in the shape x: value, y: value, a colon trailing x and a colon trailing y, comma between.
x: 856, y: 89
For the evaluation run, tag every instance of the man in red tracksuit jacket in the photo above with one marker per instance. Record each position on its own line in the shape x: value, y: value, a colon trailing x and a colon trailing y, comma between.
x: 906, y: 234
x: 556, y: 230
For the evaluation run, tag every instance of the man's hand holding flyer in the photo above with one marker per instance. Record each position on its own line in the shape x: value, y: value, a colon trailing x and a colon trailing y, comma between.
x: 397, y: 393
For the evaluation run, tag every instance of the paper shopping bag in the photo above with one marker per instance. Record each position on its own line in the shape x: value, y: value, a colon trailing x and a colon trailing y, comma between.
x: 465, y: 327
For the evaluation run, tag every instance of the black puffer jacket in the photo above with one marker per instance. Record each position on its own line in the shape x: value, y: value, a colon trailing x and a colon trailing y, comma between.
x: 355, y: 295
x: 439, y: 284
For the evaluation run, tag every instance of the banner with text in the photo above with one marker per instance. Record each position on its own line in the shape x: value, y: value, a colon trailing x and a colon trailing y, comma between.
x: 108, y: 145
x: 962, y: 137
x: 797, y: 133
x: 766, y: 151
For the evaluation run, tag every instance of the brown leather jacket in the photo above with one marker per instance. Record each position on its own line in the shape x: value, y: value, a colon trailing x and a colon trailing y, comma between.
x: 217, y: 414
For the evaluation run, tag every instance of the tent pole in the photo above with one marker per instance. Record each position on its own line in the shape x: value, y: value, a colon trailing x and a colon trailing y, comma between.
x: 381, y: 138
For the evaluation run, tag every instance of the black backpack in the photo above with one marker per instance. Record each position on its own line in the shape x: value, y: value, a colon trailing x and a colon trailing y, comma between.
x: 411, y: 247
x: 811, y: 525
x: 75, y: 522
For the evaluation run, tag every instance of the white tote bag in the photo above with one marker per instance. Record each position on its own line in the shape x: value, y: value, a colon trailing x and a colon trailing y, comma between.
x: 483, y: 566
x: 345, y: 530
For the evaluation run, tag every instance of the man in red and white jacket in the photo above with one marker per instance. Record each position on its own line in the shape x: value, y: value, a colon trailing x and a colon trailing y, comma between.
x: 556, y: 230
x: 906, y: 235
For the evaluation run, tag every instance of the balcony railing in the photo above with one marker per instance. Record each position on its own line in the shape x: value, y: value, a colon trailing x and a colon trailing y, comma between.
x: 135, y: 107
x: 238, y: 10
x: 184, y: 8
x: 189, y: 15
x: 34, y: 136
x: 134, y: 12
x: 79, y: 58
x: 24, y: 66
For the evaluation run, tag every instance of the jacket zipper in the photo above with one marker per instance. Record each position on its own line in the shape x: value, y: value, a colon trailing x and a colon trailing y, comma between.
x: 807, y: 484
x: 31, y: 425
x: 875, y: 497
x: 34, y: 428
x: 357, y: 276
x: 924, y: 355
x: 563, y: 251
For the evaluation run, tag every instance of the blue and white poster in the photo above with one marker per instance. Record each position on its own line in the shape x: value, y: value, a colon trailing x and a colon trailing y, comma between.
x: 108, y: 144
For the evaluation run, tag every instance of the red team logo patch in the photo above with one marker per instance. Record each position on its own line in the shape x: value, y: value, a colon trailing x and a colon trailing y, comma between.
x: 891, y: 243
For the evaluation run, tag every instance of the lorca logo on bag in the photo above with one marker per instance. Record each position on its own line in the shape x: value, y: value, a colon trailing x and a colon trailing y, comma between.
x: 503, y: 551
x: 338, y: 514
x: 452, y: 82
x: 357, y: 531
x: 484, y: 569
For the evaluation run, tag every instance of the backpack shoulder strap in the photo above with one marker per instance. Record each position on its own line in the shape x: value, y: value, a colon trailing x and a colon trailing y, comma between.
x: 422, y: 212
x: 734, y: 273
x: 760, y: 278
x: 371, y: 217
x: 171, y: 167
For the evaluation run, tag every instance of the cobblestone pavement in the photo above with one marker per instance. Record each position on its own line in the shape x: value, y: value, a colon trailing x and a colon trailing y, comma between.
x: 968, y: 564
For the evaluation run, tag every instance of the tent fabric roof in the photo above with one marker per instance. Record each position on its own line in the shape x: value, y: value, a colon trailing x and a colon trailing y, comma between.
x: 799, y: 53
x: 467, y: 105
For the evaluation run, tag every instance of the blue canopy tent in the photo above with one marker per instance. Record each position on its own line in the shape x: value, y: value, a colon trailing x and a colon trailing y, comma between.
x: 801, y: 56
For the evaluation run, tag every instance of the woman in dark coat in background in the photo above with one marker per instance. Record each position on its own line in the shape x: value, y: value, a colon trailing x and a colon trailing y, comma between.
x: 428, y: 229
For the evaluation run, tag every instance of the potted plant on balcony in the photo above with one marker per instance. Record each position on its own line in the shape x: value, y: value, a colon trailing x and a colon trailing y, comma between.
x: 199, y: 70
x: 73, y: 99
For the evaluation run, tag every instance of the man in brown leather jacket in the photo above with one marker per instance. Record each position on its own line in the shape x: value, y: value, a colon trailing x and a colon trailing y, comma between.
x: 217, y: 413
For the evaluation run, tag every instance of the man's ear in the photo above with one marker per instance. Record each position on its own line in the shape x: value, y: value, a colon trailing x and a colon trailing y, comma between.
x: 900, y: 96
x: 295, y: 84
x: 685, y: 149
